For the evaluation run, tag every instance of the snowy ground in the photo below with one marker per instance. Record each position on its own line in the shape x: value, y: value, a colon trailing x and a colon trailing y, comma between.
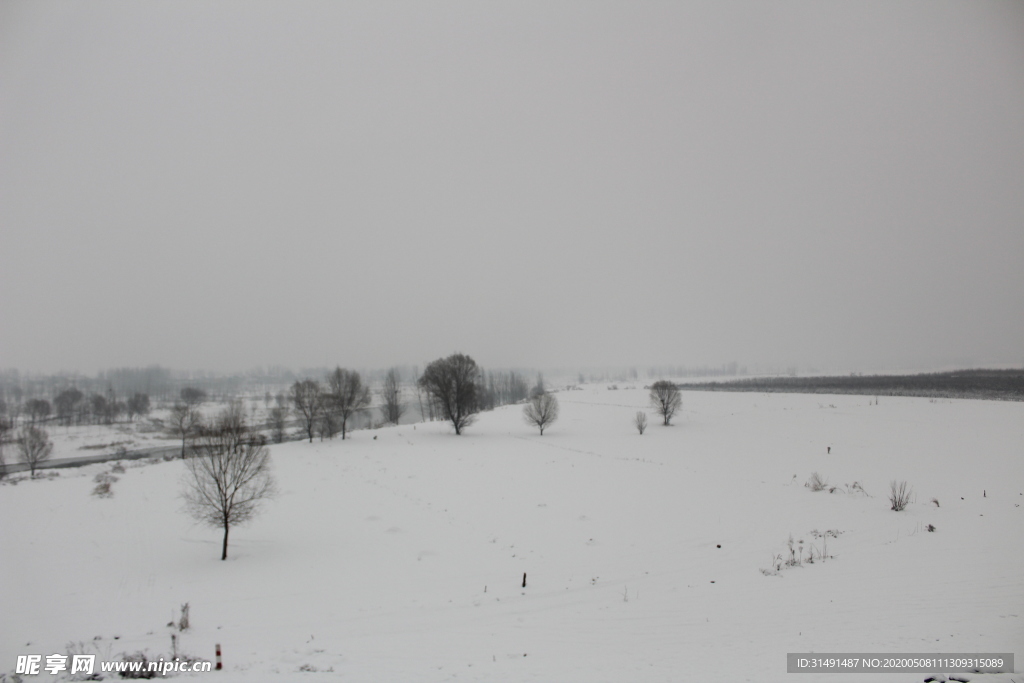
x: 401, y: 557
x: 86, y: 440
x: 142, y: 433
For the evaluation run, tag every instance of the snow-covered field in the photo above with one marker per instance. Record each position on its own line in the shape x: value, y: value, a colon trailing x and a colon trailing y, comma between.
x: 399, y: 554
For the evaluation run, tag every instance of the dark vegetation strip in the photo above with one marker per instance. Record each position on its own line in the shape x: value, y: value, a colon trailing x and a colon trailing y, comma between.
x: 1000, y: 385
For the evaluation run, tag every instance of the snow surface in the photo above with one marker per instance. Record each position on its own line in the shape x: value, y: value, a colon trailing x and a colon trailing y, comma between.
x: 398, y: 554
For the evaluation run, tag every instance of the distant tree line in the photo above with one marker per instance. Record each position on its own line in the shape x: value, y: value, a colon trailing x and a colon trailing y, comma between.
x: 977, y: 384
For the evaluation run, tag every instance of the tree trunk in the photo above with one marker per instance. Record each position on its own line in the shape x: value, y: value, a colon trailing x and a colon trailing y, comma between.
x: 224, y: 551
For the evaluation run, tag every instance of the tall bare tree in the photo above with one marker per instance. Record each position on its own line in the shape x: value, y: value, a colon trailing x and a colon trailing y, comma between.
x: 666, y: 399
x: 346, y: 395
x: 392, y: 405
x: 185, y: 421
x: 34, y: 447
x: 451, y: 383
x: 307, y: 397
x: 541, y: 411
x: 227, y: 477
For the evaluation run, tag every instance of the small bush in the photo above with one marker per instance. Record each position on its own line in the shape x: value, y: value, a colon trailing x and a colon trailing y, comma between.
x: 103, y: 481
x: 797, y: 557
x: 183, y: 623
x: 640, y: 421
x: 899, y: 495
x: 816, y: 482
x: 144, y: 669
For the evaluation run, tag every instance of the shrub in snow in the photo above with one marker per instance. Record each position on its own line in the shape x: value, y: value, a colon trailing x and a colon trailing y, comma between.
x: 103, y: 482
x: 796, y: 554
x: 816, y: 482
x: 143, y: 671
x: 183, y: 623
x: 640, y: 421
x: 899, y: 495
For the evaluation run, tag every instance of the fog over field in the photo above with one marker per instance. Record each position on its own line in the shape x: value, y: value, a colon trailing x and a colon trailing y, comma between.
x: 229, y: 185
x: 388, y: 341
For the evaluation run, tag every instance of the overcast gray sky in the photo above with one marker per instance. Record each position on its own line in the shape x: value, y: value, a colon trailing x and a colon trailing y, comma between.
x: 225, y: 185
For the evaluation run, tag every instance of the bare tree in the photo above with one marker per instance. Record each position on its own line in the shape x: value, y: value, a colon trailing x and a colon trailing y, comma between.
x: 38, y: 409
x: 327, y: 421
x: 426, y: 413
x: 278, y: 421
x: 538, y: 388
x: 640, y: 421
x: 66, y: 403
x: 451, y: 383
x: 34, y: 447
x: 392, y: 406
x: 138, y: 404
x: 232, y: 419
x: 193, y: 396
x: 666, y: 399
x: 99, y: 406
x: 227, y: 477
x: 5, y: 427
x: 307, y: 397
x: 185, y: 421
x: 347, y: 395
x: 541, y: 411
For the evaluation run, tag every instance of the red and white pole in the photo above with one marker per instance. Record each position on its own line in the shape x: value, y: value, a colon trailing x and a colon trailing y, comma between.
x: 219, y: 665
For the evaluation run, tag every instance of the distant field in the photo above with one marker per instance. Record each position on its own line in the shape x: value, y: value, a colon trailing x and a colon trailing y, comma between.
x: 1003, y: 385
